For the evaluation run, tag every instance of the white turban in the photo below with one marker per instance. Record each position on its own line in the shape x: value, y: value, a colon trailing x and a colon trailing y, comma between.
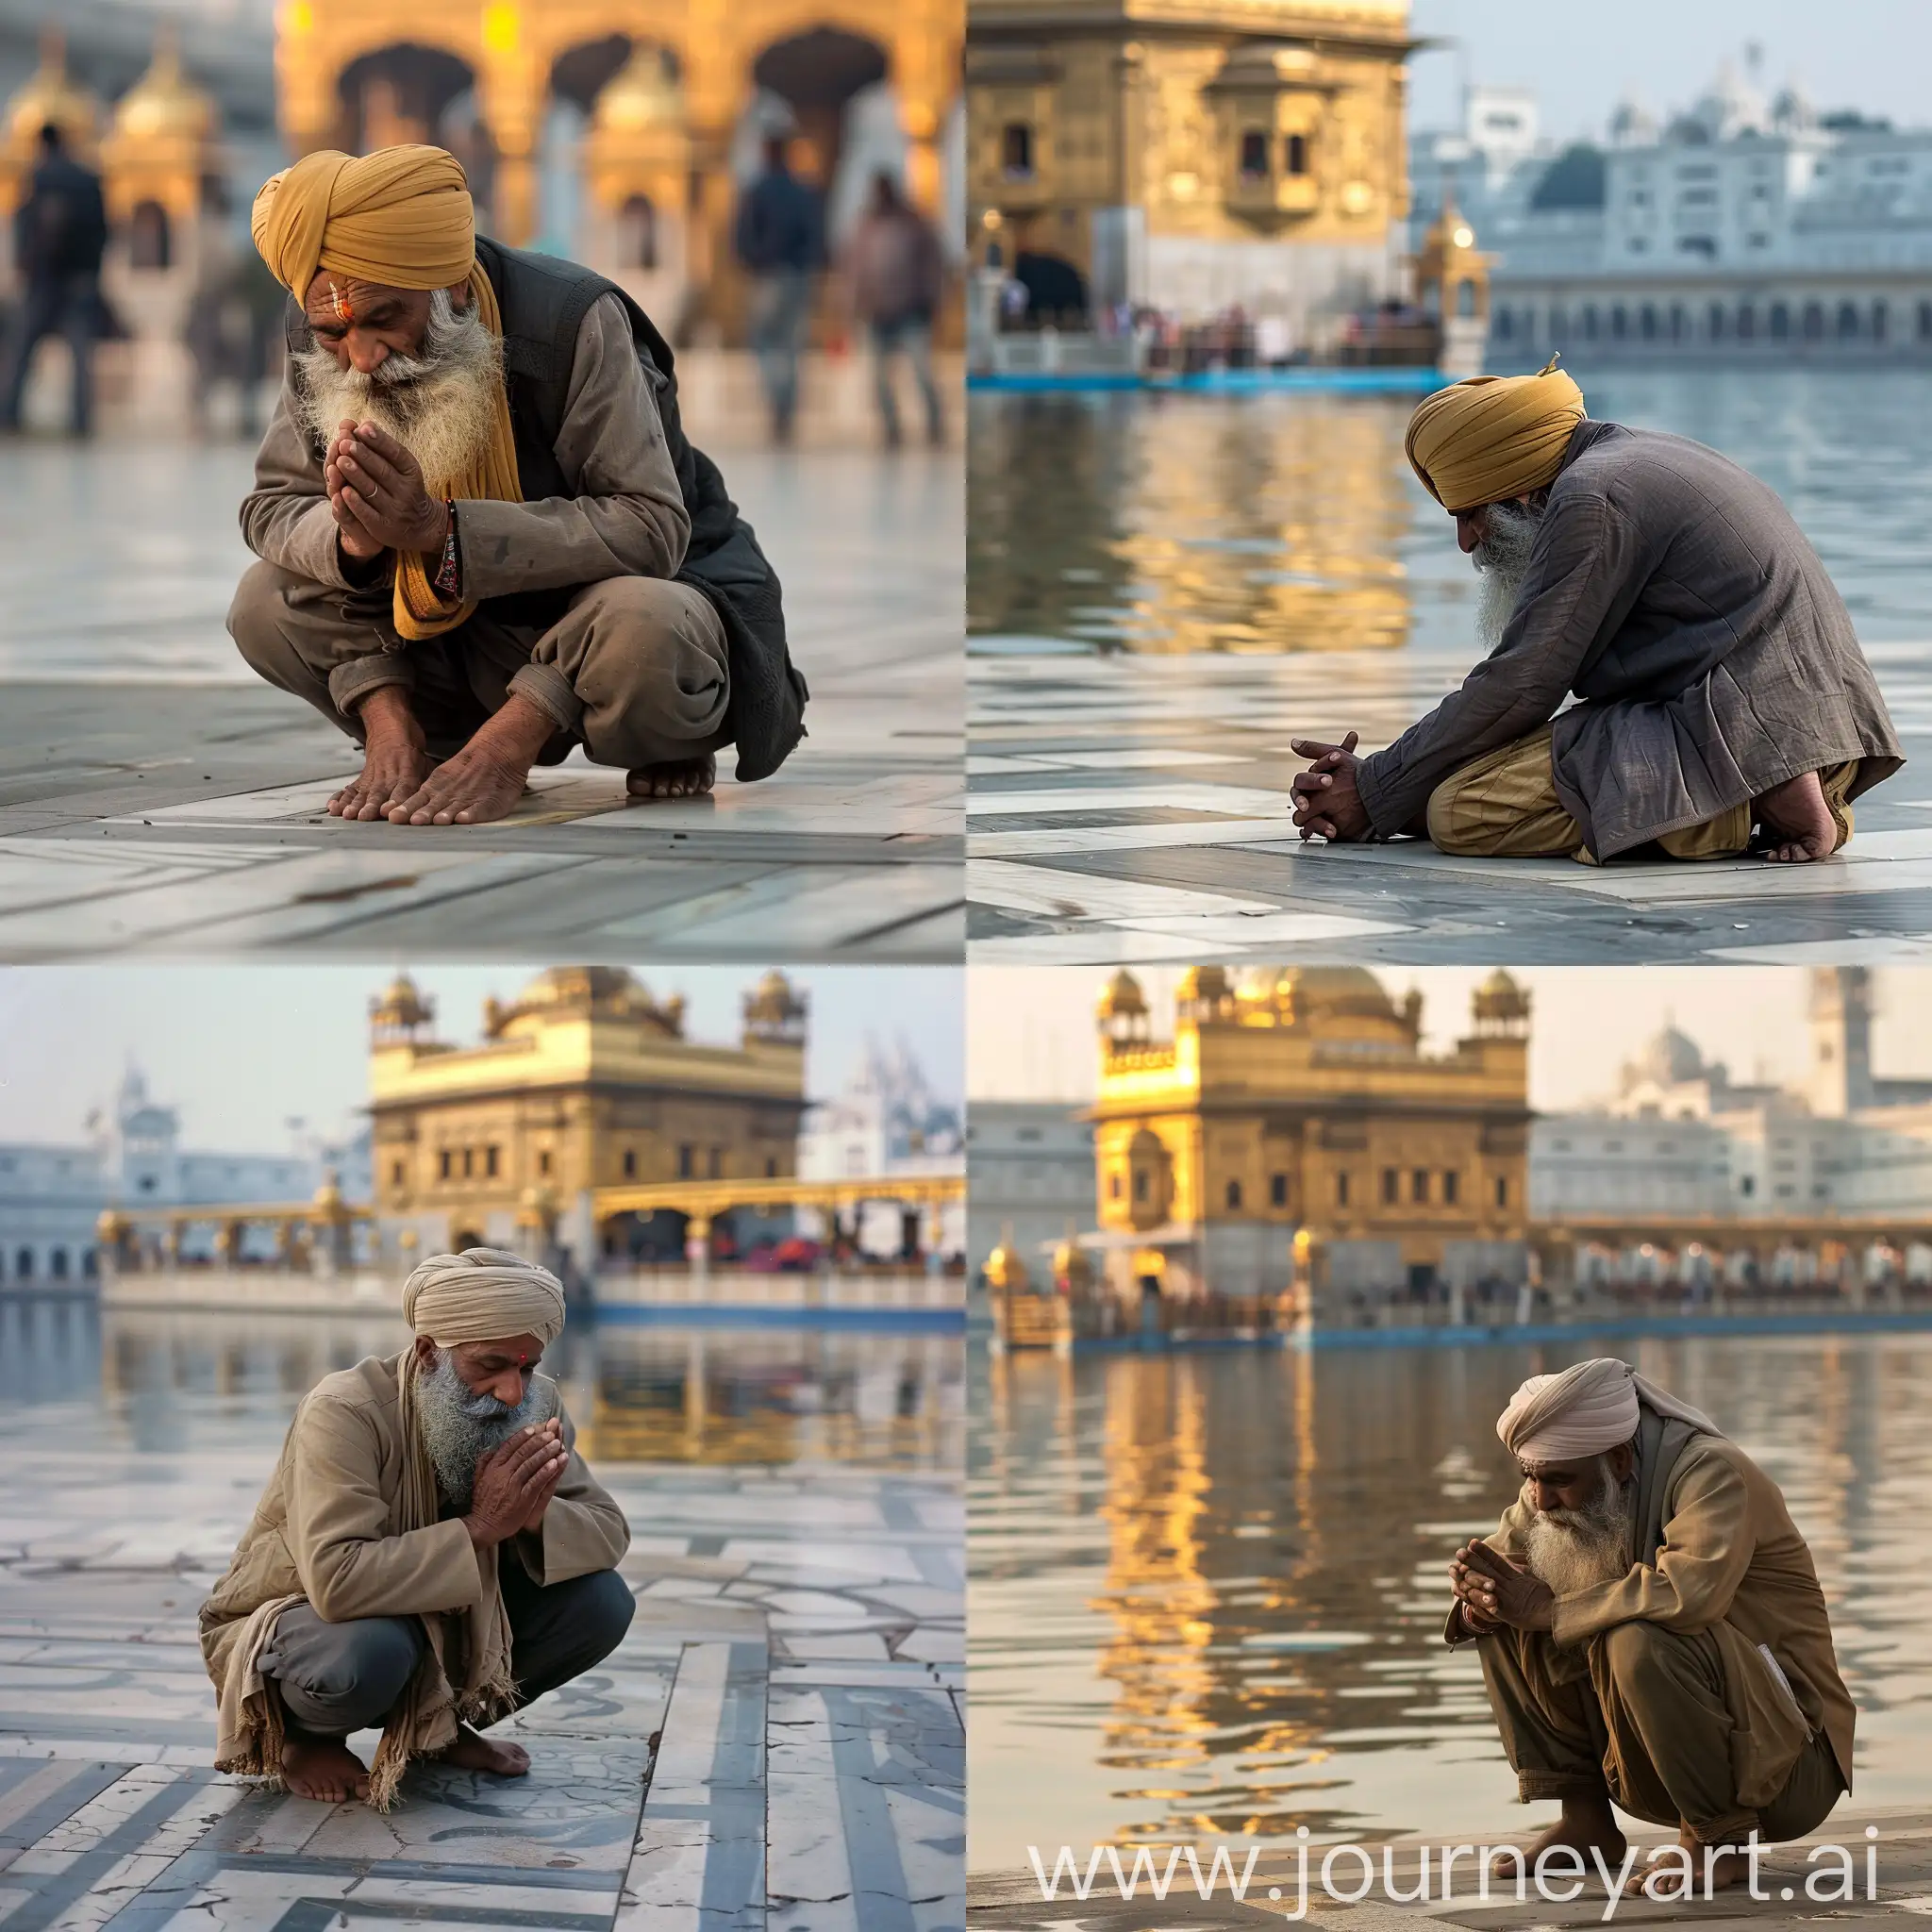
x: 483, y: 1295
x: 1585, y: 1412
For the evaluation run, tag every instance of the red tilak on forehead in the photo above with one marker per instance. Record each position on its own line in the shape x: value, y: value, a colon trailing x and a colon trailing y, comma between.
x: 339, y: 304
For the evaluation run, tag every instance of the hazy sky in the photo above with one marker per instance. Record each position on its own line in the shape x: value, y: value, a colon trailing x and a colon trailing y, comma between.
x: 1031, y: 1028
x: 1871, y: 55
x: 243, y: 1049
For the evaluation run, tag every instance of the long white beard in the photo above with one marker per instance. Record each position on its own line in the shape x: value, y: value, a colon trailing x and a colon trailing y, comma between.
x: 459, y: 1427
x: 1502, y: 562
x: 1572, y: 1549
x: 440, y: 403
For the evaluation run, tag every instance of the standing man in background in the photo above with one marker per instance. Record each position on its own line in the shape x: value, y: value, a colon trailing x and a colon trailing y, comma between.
x: 894, y: 274
x: 60, y: 234
x: 781, y: 243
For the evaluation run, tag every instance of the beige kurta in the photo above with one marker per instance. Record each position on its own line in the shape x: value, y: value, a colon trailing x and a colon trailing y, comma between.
x: 1731, y: 1562
x: 325, y: 1530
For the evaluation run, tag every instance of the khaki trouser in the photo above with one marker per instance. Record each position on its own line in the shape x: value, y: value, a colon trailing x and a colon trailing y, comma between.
x: 1505, y: 806
x: 636, y: 670
x: 1639, y: 1715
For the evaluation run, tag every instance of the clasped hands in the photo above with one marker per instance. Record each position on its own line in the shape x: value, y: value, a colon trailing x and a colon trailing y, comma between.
x: 377, y: 491
x: 514, y: 1483
x: 1493, y: 1592
x: 1327, y: 801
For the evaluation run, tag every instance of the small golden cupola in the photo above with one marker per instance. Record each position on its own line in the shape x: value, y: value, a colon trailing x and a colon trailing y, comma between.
x: 49, y: 99
x: 637, y: 163
x: 159, y: 151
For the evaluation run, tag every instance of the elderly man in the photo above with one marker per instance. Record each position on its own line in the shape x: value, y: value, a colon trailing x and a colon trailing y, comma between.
x: 484, y: 538
x: 1725, y: 705
x: 1651, y: 1629
x: 429, y: 1555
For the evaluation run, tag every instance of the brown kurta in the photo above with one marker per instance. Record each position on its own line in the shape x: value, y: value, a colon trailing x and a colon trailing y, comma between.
x: 1732, y: 1562
x: 324, y: 1530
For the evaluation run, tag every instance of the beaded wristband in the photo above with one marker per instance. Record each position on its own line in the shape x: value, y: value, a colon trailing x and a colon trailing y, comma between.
x: 448, y: 580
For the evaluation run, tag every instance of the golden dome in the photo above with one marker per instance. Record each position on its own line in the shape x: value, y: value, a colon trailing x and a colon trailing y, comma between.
x: 1202, y: 983
x: 50, y: 97
x: 401, y: 1009
x: 163, y: 105
x: 1123, y: 996
x: 1333, y: 989
x: 643, y: 94
x: 1006, y: 1273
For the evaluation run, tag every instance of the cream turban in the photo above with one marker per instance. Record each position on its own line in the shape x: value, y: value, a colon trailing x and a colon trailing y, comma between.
x: 1585, y: 1412
x: 482, y: 1295
x: 1493, y: 436
x: 401, y: 217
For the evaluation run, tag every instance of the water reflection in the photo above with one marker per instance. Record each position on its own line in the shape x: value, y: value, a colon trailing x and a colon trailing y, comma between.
x: 169, y: 1381
x: 1207, y: 1590
x: 1292, y: 522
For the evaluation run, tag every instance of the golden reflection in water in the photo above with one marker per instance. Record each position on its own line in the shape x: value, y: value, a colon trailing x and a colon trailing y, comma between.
x: 1274, y: 524
x: 718, y: 1395
x: 1208, y: 1588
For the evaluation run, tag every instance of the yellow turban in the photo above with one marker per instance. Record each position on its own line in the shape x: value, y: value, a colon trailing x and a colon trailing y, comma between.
x: 1493, y: 436
x: 401, y: 217
x: 483, y: 1295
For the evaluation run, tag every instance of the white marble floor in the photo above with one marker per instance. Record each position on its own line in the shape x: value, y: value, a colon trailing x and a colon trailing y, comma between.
x: 1136, y: 807
x: 154, y: 798
x: 778, y: 1742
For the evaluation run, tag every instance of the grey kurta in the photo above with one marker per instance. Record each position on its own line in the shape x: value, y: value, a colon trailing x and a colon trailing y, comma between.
x: 1673, y: 594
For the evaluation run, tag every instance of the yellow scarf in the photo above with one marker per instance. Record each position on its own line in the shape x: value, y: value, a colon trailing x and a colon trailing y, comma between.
x: 401, y: 217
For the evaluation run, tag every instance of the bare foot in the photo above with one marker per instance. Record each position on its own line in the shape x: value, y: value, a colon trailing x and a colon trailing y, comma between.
x: 485, y: 779
x: 1586, y: 1826
x: 394, y: 761
x: 1798, y: 820
x: 691, y: 780
x: 323, y: 1768
x: 473, y: 1753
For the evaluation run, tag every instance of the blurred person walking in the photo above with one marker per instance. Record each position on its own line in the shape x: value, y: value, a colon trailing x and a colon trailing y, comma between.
x: 60, y: 233
x: 894, y: 274
x: 781, y: 243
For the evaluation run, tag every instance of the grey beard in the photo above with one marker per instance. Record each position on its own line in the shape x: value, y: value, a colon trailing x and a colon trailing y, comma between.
x: 1502, y: 562
x: 1572, y: 1549
x: 440, y: 403
x: 460, y: 1427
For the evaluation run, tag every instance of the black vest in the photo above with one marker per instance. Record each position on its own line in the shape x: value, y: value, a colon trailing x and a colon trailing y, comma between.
x: 542, y: 300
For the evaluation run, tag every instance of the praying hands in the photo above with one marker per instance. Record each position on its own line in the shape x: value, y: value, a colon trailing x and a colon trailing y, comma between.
x: 1327, y: 804
x: 377, y: 491
x: 1494, y: 1591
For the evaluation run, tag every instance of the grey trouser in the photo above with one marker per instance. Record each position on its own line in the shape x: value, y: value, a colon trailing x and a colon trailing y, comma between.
x: 912, y: 338
x: 335, y: 1678
x: 1659, y: 1743
x: 781, y: 311
x: 637, y: 670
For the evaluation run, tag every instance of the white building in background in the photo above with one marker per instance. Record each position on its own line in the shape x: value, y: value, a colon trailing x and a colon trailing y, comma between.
x: 886, y: 1122
x: 1746, y: 226
x: 1030, y: 1166
x: 51, y: 1197
x: 1680, y: 1137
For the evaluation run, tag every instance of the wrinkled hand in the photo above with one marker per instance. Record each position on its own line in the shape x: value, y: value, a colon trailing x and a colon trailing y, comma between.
x: 378, y: 491
x: 513, y: 1481
x: 1476, y: 1621
x: 1502, y: 1591
x: 554, y: 1430
x: 1327, y: 804
x: 355, y: 542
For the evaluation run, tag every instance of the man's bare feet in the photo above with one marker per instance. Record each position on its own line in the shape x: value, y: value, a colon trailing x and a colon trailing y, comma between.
x: 1586, y: 1824
x: 691, y: 778
x: 1798, y: 821
x: 472, y: 1752
x: 394, y: 760
x: 1727, y: 1863
x: 485, y: 779
x: 323, y: 1768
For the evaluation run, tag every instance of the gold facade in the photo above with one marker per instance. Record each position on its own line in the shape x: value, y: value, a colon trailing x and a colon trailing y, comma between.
x: 345, y: 66
x: 1276, y: 121
x: 1302, y: 1101
x: 585, y: 1082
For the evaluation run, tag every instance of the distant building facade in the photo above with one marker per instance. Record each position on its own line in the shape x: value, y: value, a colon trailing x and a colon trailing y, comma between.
x: 1235, y: 154
x: 52, y: 1197
x: 1299, y: 1106
x: 1744, y: 229
x: 1680, y: 1138
x: 1030, y: 1165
